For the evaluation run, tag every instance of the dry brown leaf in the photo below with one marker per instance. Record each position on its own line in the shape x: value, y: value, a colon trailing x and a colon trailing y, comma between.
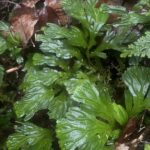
x: 23, y: 22
x: 29, y: 3
x: 62, y: 18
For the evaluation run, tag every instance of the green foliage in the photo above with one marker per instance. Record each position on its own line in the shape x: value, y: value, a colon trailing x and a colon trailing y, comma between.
x: 29, y: 136
x: 90, y: 125
x: 139, y: 48
x: 75, y: 79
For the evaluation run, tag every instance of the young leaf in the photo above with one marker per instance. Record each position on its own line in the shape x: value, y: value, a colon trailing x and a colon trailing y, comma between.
x: 81, y: 130
x: 30, y: 136
x: 120, y: 114
x: 137, y: 80
x: 134, y: 104
x: 139, y: 48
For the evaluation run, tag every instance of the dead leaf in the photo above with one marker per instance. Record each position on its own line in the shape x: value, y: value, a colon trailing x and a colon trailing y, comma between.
x: 62, y: 18
x: 23, y: 22
x: 29, y: 3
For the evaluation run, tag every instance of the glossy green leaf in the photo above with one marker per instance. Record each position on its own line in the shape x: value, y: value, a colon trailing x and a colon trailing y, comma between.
x: 137, y: 79
x: 82, y: 130
x: 44, y: 77
x: 58, y: 47
x: 49, y: 60
x: 139, y: 48
x: 30, y: 137
x: 37, y: 97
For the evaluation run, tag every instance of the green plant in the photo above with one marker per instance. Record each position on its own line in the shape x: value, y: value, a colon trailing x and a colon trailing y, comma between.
x: 70, y: 78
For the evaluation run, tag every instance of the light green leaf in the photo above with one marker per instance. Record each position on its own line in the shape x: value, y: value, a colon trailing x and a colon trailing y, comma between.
x: 37, y: 97
x: 80, y: 130
x: 30, y: 137
x: 137, y: 79
x: 120, y: 114
x: 139, y: 48
x: 1, y: 74
x: 59, y: 106
x: 134, y: 104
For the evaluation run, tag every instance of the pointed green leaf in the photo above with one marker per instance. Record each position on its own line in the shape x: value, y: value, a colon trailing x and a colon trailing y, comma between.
x: 30, y: 137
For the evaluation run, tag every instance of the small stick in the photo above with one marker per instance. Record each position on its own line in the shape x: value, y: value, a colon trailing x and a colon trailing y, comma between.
x: 13, y: 69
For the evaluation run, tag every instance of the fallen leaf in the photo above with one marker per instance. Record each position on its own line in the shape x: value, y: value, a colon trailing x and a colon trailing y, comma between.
x: 29, y: 3
x: 23, y: 22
